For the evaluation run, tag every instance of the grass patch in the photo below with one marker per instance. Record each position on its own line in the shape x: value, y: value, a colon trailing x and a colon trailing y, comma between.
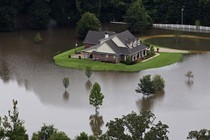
x: 162, y: 60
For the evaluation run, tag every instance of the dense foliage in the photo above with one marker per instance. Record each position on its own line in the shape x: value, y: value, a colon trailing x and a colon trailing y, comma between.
x: 136, y: 127
x: 203, y: 134
x: 70, y: 11
x: 137, y: 17
x: 48, y: 132
x: 87, y: 22
x: 148, y: 86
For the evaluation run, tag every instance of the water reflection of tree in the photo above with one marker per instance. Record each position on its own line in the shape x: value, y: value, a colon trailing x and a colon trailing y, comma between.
x: 147, y: 103
x: 4, y: 71
x: 96, y: 122
x: 88, y: 85
x: 189, y: 83
x: 65, y: 96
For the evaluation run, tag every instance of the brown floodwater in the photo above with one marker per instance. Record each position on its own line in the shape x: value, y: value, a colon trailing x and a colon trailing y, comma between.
x: 28, y: 74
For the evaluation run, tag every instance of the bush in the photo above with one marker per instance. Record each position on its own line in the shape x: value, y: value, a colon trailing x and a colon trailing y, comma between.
x: 37, y: 38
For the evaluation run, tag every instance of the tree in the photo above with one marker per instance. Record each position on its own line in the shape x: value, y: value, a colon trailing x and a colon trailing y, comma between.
x: 93, y: 6
x: 87, y: 22
x: 136, y: 127
x: 158, y: 83
x: 203, y: 134
x: 96, y: 97
x: 189, y: 75
x: 45, y: 132
x: 88, y: 71
x: 84, y: 136
x: 59, y: 136
x: 137, y: 18
x: 64, y: 11
x: 8, y: 12
x: 11, y: 127
x: 66, y: 82
x: 39, y: 14
x: 145, y: 86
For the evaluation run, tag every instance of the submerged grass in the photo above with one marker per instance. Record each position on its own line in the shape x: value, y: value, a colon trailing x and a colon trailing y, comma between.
x: 162, y: 60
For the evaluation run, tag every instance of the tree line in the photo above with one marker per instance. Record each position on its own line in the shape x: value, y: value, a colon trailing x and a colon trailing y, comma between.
x: 38, y: 13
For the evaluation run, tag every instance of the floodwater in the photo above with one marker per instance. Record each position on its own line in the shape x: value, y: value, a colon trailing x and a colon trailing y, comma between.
x: 28, y: 74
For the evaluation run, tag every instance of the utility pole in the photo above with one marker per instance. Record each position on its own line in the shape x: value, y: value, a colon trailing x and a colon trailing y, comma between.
x: 182, y: 15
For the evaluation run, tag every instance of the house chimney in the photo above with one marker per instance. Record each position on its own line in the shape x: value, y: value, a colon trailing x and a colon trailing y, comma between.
x: 106, y: 35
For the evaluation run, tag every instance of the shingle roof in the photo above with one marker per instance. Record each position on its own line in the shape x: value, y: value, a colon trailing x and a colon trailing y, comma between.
x: 93, y: 37
x: 126, y: 37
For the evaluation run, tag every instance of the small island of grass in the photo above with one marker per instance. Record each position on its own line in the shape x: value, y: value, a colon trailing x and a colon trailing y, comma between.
x: 165, y: 58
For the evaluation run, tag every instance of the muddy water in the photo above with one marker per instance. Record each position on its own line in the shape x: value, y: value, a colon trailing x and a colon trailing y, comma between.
x: 28, y: 74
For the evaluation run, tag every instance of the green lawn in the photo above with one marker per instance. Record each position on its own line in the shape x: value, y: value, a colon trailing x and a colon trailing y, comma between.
x: 162, y: 60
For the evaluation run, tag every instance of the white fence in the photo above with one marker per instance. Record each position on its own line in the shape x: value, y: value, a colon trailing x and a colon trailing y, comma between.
x: 190, y: 28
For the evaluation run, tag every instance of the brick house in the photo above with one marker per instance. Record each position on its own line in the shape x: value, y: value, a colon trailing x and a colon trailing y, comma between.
x: 113, y: 47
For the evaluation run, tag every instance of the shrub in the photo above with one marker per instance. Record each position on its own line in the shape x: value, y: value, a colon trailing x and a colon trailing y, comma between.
x: 37, y: 38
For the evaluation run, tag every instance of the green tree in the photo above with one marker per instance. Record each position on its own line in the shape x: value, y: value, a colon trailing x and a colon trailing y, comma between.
x: 88, y: 71
x: 64, y: 11
x: 66, y: 82
x: 93, y: 6
x: 87, y: 22
x: 202, y: 134
x: 59, y: 136
x: 136, y: 127
x: 189, y: 75
x: 45, y: 132
x: 137, y: 18
x: 84, y: 136
x: 11, y: 127
x: 96, y: 97
x: 8, y: 11
x: 39, y: 14
x: 145, y: 86
x: 152, y: 51
x: 158, y: 83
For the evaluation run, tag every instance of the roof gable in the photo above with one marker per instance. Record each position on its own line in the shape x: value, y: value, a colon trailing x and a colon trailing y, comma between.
x: 105, y: 48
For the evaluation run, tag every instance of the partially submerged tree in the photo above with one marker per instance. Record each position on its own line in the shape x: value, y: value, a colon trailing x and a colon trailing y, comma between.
x: 11, y: 127
x: 37, y: 38
x: 189, y: 75
x: 202, y: 134
x: 145, y: 86
x: 136, y: 127
x: 96, y: 97
x: 66, y: 82
x: 158, y: 83
x: 148, y: 86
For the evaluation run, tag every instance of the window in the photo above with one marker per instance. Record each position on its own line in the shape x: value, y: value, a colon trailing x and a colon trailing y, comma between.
x: 107, y: 56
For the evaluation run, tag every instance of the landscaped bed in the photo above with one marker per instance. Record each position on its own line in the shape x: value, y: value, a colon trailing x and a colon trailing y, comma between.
x: 163, y: 59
